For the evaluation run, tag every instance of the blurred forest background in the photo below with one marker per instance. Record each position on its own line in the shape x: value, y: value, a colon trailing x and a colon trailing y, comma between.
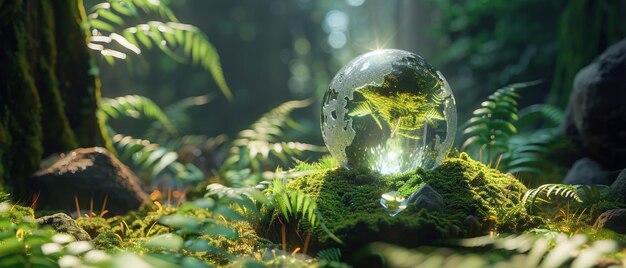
x: 273, y: 51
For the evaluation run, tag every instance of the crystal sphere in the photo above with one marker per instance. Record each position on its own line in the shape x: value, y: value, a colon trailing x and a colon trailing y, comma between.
x: 388, y: 111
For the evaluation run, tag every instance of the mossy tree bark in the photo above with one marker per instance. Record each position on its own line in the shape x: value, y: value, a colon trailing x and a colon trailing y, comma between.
x: 48, y: 86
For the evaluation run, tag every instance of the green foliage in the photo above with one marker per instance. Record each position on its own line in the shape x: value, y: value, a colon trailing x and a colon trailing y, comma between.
x: 404, y: 111
x: 500, y: 41
x: 21, y: 240
x: 587, y: 27
x: 25, y: 244
x: 252, y: 153
x: 553, y: 194
x: 492, y: 125
x: 566, y: 191
x: 521, y: 142
x: 329, y: 254
x: 546, y: 249
x: 467, y: 186
x: 536, y: 143
x: 207, y: 231
x: 550, y: 115
x: 134, y: 106
x: 189, y: 235
x: 112, y: 36
x: 247, y: 199
x: 256, y: 149
x: 325, y: 163
x: 568, y: 208
x: 293, y: 204
x: 151, y: 158
x: 177, y: 111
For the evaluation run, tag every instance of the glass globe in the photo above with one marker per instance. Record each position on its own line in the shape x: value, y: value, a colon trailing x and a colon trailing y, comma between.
x: 388, y: 111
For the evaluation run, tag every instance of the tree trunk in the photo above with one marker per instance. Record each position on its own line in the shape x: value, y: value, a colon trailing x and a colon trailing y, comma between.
x: 48, y: 86
x: 414, y: 20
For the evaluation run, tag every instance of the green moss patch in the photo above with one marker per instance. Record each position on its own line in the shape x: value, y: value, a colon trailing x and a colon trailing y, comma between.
x: 131, y: 231
x: 348, y: 201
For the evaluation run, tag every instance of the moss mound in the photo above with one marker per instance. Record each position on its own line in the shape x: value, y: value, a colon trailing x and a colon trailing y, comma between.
x: 477, y: 199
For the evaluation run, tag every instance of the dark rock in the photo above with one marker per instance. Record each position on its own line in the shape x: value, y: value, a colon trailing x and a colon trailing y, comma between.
x: 614, y: 219
x: 87, y: 173
x: 62, y: 223
x: 595, y: 118
x: 618, y: 188
x: 473, y: 226
x: 587, y: 172
x: 427, y: 198
x: 454, y: 231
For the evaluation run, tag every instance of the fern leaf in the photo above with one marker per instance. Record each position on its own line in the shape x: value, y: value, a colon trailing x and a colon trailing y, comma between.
x: 295, y: 204
x: 258, y: 147
x: 329, y: 254
x: 134, y: 106
x: 325, y: 163
x: 153, y: 159
x: 540, y: 113
x: 106, y: 18
x: 492, y: 125
x: 542, y: 249
x: 547, y: 191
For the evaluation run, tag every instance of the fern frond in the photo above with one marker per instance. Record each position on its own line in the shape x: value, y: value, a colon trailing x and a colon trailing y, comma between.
x: 177, y: 115
x: 248, y: 199
x: 295, y: 204
x: 325, y: 163
x: 256, y: 148
x: 592, y: 194
x: 329, y: 254
x: 182, y: 42
x: 131, y: 8
x: 493, y: 124
x: 270, y: 125
x: 551, y: 115
x: 152, y: 158
x: 134, y: 106
x: 221, y: 191
x: 545, y: 192
x: 530, y: 152
x: 548, y: 249
x: 362, y: 109
x: 177, y: 112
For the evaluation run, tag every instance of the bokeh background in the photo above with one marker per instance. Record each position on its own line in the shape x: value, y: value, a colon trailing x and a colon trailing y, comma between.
x: 275, y: 50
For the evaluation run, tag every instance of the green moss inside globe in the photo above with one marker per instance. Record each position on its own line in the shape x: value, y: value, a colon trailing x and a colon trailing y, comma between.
x: 388, y: 111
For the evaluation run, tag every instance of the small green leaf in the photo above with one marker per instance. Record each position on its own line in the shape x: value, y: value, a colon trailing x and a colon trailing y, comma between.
x: 143, y: 38
x: 180, y: 222
x: 107, y: 14
x: 165, y: 241
x: 166, y: 160
x: 220, y: 231
x: 101, y: 25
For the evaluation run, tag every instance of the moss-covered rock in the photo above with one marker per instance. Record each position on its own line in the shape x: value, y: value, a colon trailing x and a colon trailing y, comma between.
x: 19, y: 214
x: 63, y: 223
x: 348, y: 201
